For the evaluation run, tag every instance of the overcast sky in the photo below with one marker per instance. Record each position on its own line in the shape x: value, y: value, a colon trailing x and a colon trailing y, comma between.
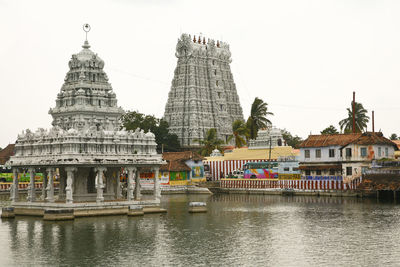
x: 304, y: 58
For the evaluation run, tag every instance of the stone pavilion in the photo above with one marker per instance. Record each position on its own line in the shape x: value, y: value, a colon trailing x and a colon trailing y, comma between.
x: 85, y: 149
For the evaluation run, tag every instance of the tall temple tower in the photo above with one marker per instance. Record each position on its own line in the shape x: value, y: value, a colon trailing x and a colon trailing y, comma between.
x: 203, y: 94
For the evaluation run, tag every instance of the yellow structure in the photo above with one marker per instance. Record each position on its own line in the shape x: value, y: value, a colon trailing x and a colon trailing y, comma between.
x: 257, y: 154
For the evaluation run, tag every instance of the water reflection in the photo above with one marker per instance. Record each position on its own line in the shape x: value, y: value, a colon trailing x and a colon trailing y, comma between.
x: 237, y: 230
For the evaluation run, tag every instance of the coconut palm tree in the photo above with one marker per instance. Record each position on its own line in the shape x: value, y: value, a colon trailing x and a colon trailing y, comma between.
x: 361, y: 119
x: 258, y: 117
x: 209, y: 143
x: 240, y: 133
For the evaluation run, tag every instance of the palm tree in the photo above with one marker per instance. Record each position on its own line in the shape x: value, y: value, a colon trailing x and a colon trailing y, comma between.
x: 240, y: 133
x: 258, y: 117
x: 210, y: 142
x: 361, y: 119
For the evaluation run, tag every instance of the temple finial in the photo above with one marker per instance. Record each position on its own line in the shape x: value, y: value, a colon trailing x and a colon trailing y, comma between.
x: 86, y: 29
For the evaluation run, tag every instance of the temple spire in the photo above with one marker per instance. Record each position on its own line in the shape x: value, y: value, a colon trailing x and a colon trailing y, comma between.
x: 86, y: 28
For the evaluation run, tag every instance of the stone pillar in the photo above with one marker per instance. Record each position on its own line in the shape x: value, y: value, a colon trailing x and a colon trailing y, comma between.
x: 119, y: 186
x: 138, y: 194
x: 130, y: 187
x: 69, y: 190
x: 44, y: 183
x: 99, y: 183
x: 14, y: 196
x: 31, y: 187
x: 50, y: 185
x: 157, y: 191
x: 61, y: 185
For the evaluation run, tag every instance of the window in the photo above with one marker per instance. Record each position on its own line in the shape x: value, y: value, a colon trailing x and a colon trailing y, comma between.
x: 307, y: 154
x: 341, y: 153
x: 308, y: 172
x: 331, y: 153
x: 286, y: 169
x: 215, y: 72
x: 379, y: 151
x: 318, y: 172
x: 318, y: 153
x: 363, y: 170
x: 331, y: 172
x: 295, y: 169
x: 349, y: 171
x: 216, y: 82
x: 363, y: 152
x: 386, y: 152
x: 348, y: 152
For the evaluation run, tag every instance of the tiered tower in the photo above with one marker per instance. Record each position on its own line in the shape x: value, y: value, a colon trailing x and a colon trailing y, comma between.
x: 86, y: 99
x: 203, y: 94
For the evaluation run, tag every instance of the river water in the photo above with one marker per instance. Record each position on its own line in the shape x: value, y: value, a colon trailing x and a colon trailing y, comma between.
x: 245, y: 230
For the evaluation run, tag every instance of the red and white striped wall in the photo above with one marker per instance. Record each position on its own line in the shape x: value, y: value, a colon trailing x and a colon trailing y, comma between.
x: 227, y: 166
x: 290, y: 184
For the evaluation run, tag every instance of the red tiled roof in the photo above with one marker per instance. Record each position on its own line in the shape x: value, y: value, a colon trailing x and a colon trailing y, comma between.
x: 6, y: 153
x: 176, y: 160
x: 367, y: 138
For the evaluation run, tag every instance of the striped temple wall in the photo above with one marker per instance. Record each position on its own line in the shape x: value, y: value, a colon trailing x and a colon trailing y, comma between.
x: 225, y: 167
x: 321, y: 185
x: 23, y: 185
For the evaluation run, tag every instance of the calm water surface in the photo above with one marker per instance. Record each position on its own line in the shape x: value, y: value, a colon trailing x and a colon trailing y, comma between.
x: 246, y: 230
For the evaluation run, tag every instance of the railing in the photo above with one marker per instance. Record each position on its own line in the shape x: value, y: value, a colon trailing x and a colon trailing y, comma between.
x: 289, y: 184
x: 24, y: 185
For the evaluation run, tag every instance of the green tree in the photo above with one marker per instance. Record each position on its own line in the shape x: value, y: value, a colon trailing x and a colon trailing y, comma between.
x: 393, y: 136
x: 258, y: 117
x: 132, y: 120
x: 209, y: 143
x: 293, y: 141
x: 240, y: 133
x: 361, y: 119
x: 330, y: 130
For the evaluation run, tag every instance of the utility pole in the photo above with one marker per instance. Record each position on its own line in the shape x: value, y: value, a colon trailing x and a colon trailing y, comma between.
x: 373, y: 122
x: 353, y: 107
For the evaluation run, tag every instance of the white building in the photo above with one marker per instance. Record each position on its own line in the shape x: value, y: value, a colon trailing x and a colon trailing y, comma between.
x: 345, y: 155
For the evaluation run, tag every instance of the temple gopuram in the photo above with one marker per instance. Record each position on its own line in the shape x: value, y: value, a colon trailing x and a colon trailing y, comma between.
x: 203, y: 94
x: 85, y: 149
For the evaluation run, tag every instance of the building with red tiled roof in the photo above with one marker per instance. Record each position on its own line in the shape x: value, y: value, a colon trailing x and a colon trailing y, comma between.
x: 343, y: 155
x: 6, y: 153
x: 182, y: 168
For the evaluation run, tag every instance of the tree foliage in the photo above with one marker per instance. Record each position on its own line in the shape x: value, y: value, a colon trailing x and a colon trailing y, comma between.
x: 361, y: 119
x: 258, y: 117
x: 210, y: 142
x: 293, y: 141
x: 330, y: 130
x: 132, y: 120
x: 240, y: 133
x: 394, y: 136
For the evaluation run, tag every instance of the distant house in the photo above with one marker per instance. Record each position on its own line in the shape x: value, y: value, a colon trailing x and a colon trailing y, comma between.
x: 6, y: 153
x: 182, y: 168
x: 343, y: 155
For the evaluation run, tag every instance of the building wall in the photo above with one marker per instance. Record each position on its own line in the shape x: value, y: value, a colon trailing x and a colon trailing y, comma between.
x: 357, y: 161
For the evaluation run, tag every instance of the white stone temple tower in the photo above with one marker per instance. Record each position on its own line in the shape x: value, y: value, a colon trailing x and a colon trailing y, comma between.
x: 203, y: 94
x: 86, y: 98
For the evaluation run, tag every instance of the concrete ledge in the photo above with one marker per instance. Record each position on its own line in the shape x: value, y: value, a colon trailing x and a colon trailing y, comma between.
x: 196, y: 207
x: 58, y: 214
x: 135, y: 211
x: 7, y: 212
x: 153, y: 209
x: 29, y: 211
x: 100, y: 211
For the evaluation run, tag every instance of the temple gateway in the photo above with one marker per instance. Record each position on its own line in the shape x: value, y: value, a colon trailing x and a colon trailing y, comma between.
x: 85, y: 146
x: 203, y: 94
